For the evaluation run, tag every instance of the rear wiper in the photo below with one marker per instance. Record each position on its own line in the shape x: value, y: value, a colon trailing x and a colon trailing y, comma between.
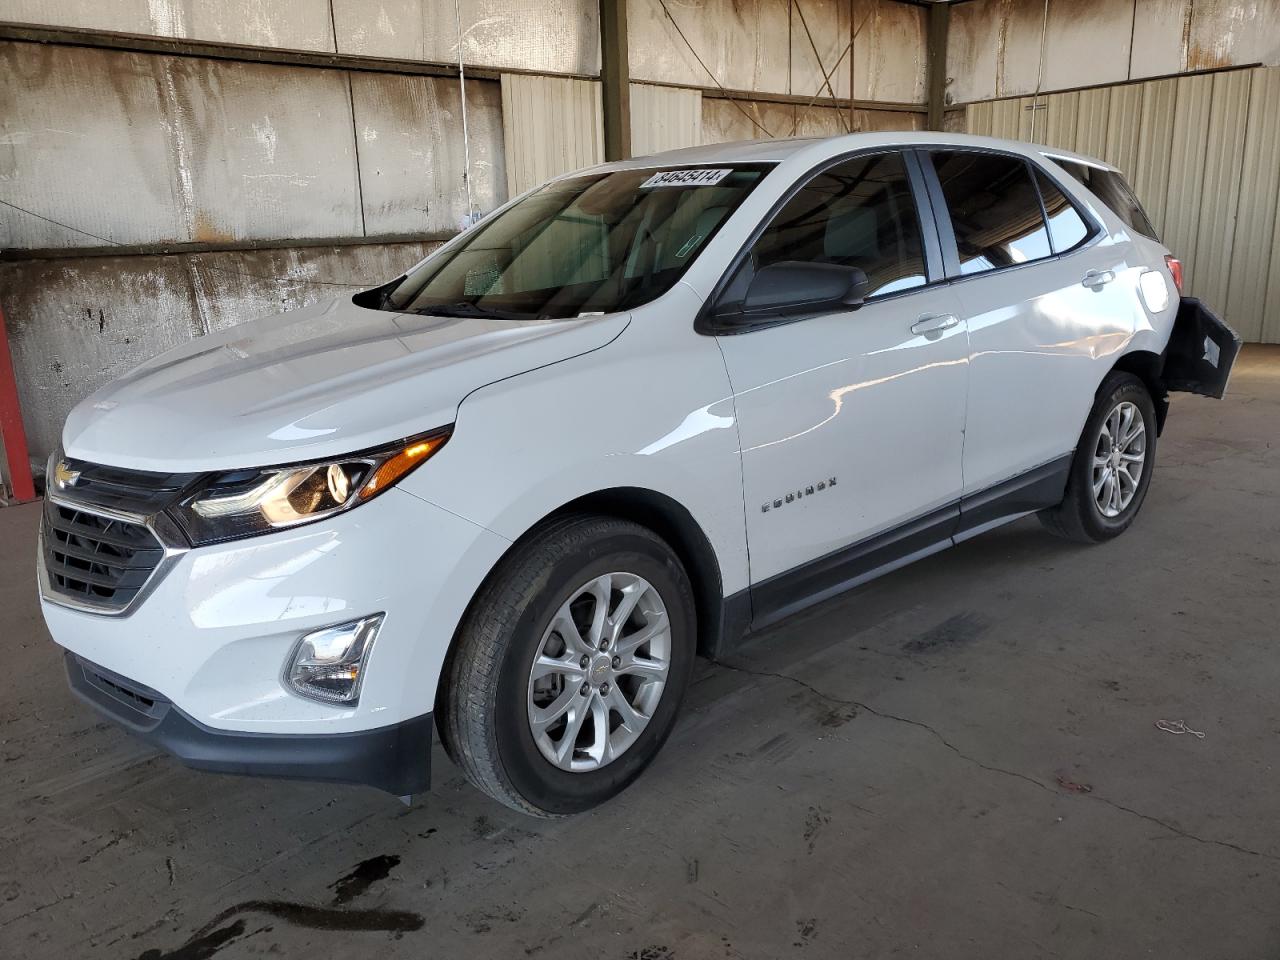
x: 465, y: 308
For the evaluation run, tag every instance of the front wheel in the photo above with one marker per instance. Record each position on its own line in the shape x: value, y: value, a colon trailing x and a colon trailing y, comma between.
x: 570, y: 667
x: 1112, y: 466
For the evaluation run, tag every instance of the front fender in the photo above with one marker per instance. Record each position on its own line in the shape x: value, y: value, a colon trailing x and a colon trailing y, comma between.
x: 642, y: 412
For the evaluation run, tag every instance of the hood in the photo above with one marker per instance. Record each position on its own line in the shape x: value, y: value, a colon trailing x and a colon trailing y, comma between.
x: 323, y: 381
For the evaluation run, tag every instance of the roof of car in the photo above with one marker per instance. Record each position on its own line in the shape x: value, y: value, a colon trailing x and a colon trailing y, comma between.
x: 778, y: 150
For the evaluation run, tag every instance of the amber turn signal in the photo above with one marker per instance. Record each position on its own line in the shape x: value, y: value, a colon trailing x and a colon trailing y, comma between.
x: 397, y: 466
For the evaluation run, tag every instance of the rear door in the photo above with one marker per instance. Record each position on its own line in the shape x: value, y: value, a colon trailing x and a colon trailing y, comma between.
x: 1048, y: 300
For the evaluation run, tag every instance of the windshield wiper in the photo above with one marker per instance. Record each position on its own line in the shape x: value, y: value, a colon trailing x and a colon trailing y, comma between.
x: 465, y: 308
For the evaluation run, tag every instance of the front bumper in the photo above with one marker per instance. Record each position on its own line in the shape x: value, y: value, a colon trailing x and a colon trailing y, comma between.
x: 210, y: 640
x: 395, y: 758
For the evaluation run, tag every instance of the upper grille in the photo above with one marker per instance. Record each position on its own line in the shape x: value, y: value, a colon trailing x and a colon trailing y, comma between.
x: 97, y: 560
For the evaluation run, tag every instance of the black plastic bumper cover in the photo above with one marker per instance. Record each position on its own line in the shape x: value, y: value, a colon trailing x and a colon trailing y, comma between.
x: 395, y: 758
x: 1201, y: 352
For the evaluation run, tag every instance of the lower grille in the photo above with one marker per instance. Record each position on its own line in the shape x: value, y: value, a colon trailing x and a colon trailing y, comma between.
x: 97, y: 560
x: 126, y: 701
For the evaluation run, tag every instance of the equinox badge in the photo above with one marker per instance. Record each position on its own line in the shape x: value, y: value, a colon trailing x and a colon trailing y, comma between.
x: 808, y: 491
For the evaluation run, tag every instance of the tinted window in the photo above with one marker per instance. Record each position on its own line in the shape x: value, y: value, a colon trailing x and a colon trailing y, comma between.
x: 592, y: 244
x: 1067, y: 228
x: 1113, y: 190
x: 995, y: 210
x: 860, y: 213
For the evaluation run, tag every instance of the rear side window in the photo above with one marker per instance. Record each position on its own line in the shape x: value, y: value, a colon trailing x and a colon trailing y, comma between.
x: 860, y: 213
x: 995, y: 210
x: 1113, y: 190
x: 1067, y: 229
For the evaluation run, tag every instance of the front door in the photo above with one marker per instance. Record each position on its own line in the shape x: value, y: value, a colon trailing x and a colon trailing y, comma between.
x: 851, y: 422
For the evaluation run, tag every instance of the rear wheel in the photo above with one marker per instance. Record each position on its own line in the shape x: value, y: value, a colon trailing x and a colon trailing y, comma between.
x: 1112, y: 466
x: 570, y: 668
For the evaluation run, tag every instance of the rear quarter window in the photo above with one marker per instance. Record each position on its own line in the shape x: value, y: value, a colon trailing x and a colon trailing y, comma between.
x: 1067, y: 228
x: 1112, y: 189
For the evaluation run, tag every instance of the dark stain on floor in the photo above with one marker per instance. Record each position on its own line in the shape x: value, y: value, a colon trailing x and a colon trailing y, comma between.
x: 365, y: 875
x: 961, y: 629
x: 217, y: 933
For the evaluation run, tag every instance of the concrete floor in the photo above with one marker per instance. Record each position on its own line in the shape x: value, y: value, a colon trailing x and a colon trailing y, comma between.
x: 959, y: 760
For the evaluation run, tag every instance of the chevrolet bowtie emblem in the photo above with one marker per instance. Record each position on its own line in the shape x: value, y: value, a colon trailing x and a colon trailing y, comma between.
x: 64, y: 476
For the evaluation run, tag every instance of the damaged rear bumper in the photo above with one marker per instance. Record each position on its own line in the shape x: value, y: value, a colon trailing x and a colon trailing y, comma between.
x: 1202, y: 350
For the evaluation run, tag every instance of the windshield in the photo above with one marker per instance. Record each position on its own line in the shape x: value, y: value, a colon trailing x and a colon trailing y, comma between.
x: 585, y: 245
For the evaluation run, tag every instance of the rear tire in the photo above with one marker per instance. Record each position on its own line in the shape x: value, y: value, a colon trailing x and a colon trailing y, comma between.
x: 1112, y: 466
x: 535, y: 711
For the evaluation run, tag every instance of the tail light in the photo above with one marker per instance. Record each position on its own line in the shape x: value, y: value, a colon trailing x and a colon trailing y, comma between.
x: 1175, y: 270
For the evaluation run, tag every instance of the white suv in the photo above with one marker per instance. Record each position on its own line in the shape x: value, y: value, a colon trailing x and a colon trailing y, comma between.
x: 625, y: 419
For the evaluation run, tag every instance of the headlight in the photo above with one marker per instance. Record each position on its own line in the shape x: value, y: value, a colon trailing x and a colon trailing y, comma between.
x: 248, y: 502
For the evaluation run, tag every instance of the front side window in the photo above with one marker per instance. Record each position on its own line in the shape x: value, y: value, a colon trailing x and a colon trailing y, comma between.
x: 860, y: 213
x: 995, y: 210
x: 584, y: 245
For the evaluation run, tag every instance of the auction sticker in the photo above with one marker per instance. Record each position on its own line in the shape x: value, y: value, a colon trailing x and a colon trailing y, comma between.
x: 685, y: 178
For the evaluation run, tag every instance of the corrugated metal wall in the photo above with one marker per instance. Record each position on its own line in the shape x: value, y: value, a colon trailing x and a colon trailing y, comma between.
x: 533, y: 105
x: 1203, y: 155
x: 664, y: 118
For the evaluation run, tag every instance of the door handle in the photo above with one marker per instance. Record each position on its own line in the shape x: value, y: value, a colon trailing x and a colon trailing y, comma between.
x: 934, y: 323
x: 1095, y: 279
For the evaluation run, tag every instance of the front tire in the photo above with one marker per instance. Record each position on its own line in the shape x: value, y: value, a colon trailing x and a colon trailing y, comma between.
x: 570, y: 666
x: 1112, y: 466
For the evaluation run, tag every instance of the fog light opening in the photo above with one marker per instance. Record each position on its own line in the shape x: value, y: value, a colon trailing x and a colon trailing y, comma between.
x: 328, y: 665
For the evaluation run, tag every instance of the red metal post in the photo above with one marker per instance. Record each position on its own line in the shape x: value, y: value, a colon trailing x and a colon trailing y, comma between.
x: 12, y: 435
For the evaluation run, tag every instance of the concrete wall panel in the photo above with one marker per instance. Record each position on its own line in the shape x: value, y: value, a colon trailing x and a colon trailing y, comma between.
x: 533, y: 106
x: 993, y: 49
x: 75, y: 324
x: 409, y: 134
x: 725, y: 120
x: 230, y: 288
x: 1086, y: 42
x: 263, y: 151
x: 135, y: 148
x: 1159, y: 36
x: 294, y: 24
x: 557, y: 36
x: 745, y: 44
x: 664, y: 118
x: 830, y: 31
x: 1251, y: 272
x: 890, y: 52
x: 83, y: 141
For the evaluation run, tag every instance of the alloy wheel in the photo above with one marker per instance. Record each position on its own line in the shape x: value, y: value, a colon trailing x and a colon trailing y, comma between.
x: 1119, y: 459
x: 600, y: 671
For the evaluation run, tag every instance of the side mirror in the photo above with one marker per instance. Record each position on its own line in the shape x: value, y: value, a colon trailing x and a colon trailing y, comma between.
x: 791, y: 287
